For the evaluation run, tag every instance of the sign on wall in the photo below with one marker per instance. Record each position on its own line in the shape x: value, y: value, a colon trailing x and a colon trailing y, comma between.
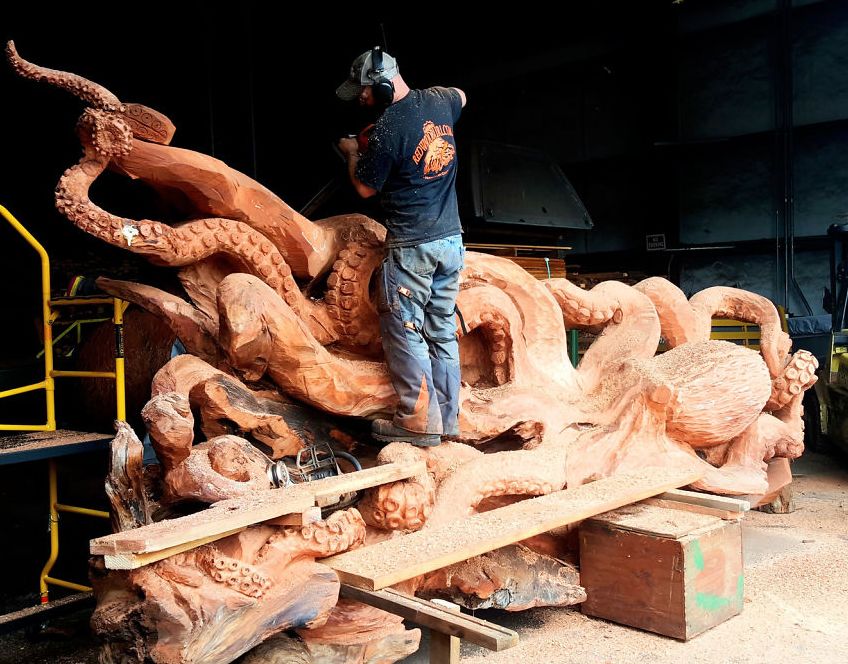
x: 655, y: 242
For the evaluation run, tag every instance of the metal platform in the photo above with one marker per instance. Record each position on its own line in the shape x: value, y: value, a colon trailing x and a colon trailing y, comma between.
x: 36, y: 445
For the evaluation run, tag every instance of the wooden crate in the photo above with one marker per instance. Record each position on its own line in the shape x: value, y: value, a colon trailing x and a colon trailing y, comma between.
x: 667, y: 571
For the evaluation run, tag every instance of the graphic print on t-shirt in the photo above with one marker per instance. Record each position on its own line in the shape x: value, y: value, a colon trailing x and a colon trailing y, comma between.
x: 437, y: 153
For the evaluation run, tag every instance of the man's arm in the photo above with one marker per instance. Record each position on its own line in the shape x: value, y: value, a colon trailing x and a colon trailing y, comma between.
x: 461, y: 95
x: 350, y: 149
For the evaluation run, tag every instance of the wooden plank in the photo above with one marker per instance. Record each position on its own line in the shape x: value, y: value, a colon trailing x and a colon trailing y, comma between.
x: 392, y: 561
x: 136, y: 560
x: 482, y: 245
x: 228, y: 516
x: 707, y: 500
x: 306, y: 517
x: 444, y: 648
x: 364, y: 479
x: 425, y: 613
x: 218, y: 521
x: 696, y: 509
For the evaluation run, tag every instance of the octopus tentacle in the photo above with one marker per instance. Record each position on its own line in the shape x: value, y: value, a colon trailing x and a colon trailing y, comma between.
x: 537, y: 332
x: 750, y: 307
x: 262, y: 333
x: 347, y: 297
x: 341, y: 531
x: 195, y: 330
x: 798, y: 375
x: 88, y: 91
x: 631, y: 324
x: 581, y: 308
x: 407, y: 504
x: 232, y: 572
x: 490, y: 314
x: 191, y: 242
x: 682, y: 323
x: 522, y: 472
x: 679, y: 324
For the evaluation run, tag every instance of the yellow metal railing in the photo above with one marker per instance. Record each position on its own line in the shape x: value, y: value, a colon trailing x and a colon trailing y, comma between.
x: 49, y: 316
x: 741, y: 332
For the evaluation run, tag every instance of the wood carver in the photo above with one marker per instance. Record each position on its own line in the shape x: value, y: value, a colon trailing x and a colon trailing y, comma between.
x: 278, y: 301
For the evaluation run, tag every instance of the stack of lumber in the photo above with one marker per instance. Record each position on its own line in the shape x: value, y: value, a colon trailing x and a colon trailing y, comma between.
x: 542, y: 265
x: 539, y: 267
x: 589, y: 280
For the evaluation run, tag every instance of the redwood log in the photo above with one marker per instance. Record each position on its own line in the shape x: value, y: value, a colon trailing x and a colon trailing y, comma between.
x: 357, y: 633
x: 513, y: 578
x: 125, y: 481
x: 279, y: 649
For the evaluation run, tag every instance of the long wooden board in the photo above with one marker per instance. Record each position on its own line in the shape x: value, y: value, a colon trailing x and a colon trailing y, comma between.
x: 222, y: 519
x: 707, y: 500
x: 126, y: 560
x: 429, y: 614
x: 392, y: 561
x: 229, y: 516
x: 695, y: 509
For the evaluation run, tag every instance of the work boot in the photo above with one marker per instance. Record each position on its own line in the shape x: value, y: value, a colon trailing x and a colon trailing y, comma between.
x: 387, y: 432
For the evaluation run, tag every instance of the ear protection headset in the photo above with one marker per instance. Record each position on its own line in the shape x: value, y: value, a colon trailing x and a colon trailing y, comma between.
x: 383, y: 88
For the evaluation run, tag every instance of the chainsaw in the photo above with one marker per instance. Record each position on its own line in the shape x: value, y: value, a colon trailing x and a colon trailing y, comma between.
x: 312, y: 463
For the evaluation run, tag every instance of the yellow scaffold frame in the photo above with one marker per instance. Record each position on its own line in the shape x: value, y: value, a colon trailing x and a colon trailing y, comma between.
x: 49, y: 316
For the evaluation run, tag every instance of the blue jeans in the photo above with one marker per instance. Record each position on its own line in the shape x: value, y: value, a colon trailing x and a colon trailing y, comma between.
x: 417, y: 301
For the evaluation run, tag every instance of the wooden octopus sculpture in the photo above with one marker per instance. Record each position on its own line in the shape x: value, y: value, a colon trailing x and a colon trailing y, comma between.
x: 277, y: 297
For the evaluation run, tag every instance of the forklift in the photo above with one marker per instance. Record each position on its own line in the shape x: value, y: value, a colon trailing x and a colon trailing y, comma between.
x: 826, y: 406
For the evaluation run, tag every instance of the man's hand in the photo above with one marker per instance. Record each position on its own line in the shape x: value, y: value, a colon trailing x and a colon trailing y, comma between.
x: 349, y: 147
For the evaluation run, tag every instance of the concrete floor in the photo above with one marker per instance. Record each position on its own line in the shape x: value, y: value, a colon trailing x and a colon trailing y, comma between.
x: 796, y: 597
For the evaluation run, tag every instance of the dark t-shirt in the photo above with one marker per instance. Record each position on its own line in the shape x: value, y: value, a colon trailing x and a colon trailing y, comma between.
x: 411, y: 161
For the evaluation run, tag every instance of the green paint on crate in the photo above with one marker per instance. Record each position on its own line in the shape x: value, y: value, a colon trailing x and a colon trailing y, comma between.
x: 697, y: 556
x: 710, y: 602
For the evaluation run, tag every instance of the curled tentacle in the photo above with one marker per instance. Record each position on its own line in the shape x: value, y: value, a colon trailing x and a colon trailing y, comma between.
x: 581, y: 308
x: 348, y: 298
x: 631, y: 324
x: 107, y: 133
x: 404, y: 505
x: 798, y: 375
x: 752, y: 308
x: 678, y: 322
x: 90, y: 92
x: 522, y: 473
x: 190, y: 243
x: 536, y: 330
x: 492, y: 351
x: 341, y: 531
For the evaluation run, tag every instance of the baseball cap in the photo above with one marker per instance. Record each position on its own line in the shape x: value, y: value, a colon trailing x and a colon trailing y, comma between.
x: 362, y: 73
